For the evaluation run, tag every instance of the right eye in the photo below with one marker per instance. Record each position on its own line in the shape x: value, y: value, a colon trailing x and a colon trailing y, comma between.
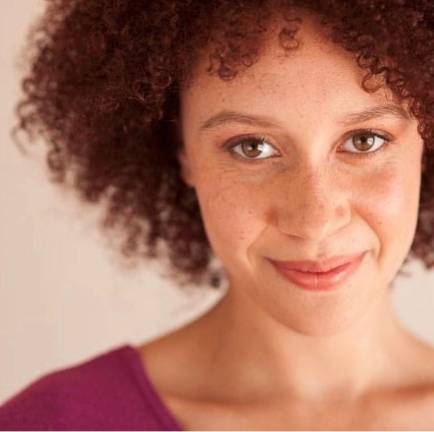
x: 249, y: 147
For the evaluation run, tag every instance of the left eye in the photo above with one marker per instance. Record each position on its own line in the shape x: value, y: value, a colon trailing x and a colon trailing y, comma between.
x: 367, y: 142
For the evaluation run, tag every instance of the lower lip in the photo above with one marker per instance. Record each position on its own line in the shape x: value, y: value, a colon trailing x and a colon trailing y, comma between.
x: 321, y: 281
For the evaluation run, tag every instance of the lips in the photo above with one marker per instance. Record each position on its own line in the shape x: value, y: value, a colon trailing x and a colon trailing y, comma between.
x: 320, y: 276
x: 318, y: 266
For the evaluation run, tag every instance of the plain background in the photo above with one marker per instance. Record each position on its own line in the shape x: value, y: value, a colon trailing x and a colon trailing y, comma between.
x: 63, y: 298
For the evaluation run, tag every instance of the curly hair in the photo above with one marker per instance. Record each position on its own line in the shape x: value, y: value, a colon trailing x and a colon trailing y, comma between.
x: 102, y: 89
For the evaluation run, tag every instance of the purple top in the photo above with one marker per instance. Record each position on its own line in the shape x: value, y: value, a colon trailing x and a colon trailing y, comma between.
x: 111, y: 391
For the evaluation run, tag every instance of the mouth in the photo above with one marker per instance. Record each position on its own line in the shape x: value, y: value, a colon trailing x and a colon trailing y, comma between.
x: 319, y: 276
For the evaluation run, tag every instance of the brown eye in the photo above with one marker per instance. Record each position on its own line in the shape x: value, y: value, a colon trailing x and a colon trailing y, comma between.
x: 250, y: 147
x: 364, y: 141
x: 367, y: 142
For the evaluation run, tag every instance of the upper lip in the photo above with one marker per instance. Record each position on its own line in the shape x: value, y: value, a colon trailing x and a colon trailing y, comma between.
x: 318, y: 266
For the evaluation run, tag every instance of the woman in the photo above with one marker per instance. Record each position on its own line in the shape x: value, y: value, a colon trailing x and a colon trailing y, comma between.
x: 292, y: 140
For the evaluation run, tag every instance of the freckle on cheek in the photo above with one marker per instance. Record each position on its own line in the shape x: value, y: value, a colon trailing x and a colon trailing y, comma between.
x: 340, y: 212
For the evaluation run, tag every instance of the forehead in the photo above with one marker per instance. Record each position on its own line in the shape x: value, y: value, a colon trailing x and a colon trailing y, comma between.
x: 318, y: 75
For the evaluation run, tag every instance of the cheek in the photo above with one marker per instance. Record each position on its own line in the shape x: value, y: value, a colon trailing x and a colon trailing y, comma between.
x: 231, y: 220
x: 393, y: 196
x: 388, y: 204
x: 385, y: 194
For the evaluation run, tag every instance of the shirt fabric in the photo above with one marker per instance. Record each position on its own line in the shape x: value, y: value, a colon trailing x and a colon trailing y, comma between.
x: 109, y: 391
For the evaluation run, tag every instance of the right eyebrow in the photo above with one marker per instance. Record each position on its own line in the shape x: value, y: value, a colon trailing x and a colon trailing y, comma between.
x: 228, y: 116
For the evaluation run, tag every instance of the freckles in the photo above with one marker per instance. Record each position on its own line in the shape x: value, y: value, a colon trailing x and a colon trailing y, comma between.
x: 388, y: 190
x: 340, y: 212
x: 389, y: 206
x: 229, y: 213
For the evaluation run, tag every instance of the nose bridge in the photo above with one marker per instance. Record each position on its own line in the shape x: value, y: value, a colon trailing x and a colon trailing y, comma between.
x: 316, y: 205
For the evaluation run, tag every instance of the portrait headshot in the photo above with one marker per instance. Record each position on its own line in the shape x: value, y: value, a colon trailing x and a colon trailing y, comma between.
x: 218, y: 215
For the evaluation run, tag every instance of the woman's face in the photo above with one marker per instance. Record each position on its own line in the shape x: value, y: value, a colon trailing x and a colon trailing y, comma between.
x: 311, y: 191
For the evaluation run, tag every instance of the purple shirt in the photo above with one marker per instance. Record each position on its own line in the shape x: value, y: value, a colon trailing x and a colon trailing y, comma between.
x: 111, y: 391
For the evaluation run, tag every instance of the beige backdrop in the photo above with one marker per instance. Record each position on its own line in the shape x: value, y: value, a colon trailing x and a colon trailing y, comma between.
x: 62, y: 298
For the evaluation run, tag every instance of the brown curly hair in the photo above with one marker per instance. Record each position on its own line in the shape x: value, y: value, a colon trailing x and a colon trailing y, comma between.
x: 103, y: 83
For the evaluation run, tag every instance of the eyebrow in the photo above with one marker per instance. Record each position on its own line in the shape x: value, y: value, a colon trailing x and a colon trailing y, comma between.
x: 227, y: 116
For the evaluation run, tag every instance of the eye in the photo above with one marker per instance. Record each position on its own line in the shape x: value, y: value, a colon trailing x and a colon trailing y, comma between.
x: 367, y: 142
x: 249, y: 146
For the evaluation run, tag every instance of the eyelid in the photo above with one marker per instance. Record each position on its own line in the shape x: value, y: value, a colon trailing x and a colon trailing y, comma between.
x: 385, y: 135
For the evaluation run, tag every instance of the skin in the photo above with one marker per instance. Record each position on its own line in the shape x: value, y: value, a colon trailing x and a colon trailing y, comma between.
x: 270, y: 354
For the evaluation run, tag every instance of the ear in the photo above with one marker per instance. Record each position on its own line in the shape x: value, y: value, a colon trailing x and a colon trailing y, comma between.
x: 185, y: 164
x: 181, y: 153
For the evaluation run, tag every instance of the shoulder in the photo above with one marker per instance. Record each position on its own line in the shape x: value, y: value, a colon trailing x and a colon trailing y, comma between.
x: 98, y: 393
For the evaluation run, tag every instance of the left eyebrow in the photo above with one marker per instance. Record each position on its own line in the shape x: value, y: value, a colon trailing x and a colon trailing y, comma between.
x: 390, y: 110
x: 227, y: 116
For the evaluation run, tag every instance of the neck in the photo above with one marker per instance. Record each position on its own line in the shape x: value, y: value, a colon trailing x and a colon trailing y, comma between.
x: 259, y: 356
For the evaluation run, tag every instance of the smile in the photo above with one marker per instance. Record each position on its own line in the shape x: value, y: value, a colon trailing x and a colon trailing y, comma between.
x: 320, y: 280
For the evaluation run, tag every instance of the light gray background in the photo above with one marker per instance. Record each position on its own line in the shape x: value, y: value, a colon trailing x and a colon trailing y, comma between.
x: 62, y: 296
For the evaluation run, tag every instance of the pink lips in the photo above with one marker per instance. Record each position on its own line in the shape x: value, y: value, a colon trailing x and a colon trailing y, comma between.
x: 319, y: 276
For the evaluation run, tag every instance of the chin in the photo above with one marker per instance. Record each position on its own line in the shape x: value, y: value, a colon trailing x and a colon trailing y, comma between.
x: 320, y: 314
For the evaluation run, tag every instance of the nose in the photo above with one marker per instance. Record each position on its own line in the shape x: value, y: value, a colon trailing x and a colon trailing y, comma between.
x: 315, y: 205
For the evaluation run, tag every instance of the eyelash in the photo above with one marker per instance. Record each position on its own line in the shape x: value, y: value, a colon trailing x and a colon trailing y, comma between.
x: 260, y: 139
